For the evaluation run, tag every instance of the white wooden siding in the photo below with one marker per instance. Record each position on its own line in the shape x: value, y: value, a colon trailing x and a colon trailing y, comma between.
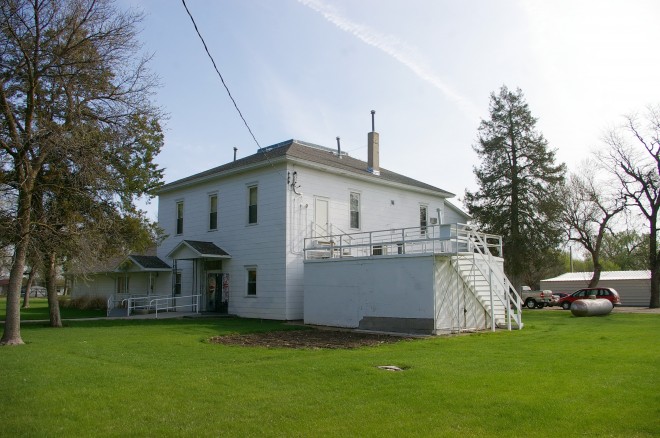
x: 381, y: 207
x: 104, y: 285
x: 261, y: 245
x: 285, y: 218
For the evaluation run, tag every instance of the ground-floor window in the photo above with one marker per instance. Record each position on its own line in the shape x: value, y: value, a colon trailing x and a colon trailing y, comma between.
x: 122, y: 284
x: 177, y: 283
x: 252, y: 281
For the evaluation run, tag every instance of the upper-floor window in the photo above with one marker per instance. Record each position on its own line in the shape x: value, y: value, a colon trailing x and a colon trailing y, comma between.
x: 213, y: 212
x: 423, y: 218
x: 355, y: 210
x: 179, y: 217
x: 252, y: 205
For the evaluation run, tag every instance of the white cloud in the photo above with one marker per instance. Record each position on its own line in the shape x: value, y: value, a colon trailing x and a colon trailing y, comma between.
x: 397, y: 49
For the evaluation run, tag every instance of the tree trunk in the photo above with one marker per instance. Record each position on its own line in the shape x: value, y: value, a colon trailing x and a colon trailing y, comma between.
x: 655, y: 289
x: 51, y: 288
x: 598, y: 268
x: 28, y: 288
x: 12, y: 332
x: 654, y: 263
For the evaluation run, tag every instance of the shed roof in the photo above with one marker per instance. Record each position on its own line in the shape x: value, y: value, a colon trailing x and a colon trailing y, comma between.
x: 302, y: 151
x: 605, y: 275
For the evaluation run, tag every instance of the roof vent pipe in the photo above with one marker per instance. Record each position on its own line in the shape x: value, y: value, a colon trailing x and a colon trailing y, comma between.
x: 373, y: 148
x: 338, y: 148
x: 235, y: 149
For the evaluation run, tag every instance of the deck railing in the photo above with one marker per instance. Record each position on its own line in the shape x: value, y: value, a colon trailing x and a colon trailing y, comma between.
x: 431, y: 239
x: 446, y: 239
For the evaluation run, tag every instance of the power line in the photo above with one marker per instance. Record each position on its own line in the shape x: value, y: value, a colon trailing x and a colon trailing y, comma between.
x: 219, y: 74
x: 262, y: 150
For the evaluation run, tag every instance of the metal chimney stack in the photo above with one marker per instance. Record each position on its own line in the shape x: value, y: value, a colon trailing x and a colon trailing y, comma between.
x: 373, y: 148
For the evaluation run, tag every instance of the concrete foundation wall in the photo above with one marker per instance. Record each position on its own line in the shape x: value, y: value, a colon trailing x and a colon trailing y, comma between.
x: 379, y: 293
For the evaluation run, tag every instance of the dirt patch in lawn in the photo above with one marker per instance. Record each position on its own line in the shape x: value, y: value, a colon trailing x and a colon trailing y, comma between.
x: 311, y: 339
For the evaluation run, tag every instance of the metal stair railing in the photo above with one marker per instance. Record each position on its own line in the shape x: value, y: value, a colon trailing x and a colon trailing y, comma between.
x: 510, y: 297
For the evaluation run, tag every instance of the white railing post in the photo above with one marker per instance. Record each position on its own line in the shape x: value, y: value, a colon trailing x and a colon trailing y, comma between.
x: 492, y: 304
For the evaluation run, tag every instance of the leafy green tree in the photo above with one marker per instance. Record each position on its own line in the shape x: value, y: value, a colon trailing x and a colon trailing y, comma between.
x: 627, y: 250
x: 519, y: 182
x: 71, y: 90
x: 72, y: 212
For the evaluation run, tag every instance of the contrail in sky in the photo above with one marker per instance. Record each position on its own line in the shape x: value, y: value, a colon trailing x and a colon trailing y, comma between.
x: 396, y: 49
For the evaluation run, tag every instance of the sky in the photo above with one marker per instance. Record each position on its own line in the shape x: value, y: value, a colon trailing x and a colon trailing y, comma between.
x: 313, y: 70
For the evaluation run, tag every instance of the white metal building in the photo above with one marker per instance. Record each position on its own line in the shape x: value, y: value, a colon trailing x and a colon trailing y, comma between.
x: 634, y: 287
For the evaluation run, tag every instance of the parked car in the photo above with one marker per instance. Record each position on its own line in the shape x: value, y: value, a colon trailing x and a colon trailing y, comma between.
x: 556, y: 297
x: 600, y: 292
x: 535, y: 298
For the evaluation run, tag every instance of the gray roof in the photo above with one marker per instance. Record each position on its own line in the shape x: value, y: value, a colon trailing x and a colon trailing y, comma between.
x: 311, y: 153
x: 206, y: 248
x: 201, y: 249
x: 146, y: 261
x: 149, y: 262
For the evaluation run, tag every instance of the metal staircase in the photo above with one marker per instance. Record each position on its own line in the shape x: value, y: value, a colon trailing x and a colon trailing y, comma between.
x: 480, y: 272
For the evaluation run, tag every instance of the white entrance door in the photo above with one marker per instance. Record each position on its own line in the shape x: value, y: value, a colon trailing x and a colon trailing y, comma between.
x: 321, y: 220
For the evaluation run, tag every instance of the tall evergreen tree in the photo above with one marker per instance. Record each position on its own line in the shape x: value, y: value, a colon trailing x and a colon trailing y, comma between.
x: 519, y: 185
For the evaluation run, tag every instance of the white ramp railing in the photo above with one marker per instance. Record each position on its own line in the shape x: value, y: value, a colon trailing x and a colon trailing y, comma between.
x: 155, y: 303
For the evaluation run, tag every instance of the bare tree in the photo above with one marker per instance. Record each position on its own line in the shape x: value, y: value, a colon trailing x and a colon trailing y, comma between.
x: 588, y: 211
x: 70, y: 85
x: 633, y: 157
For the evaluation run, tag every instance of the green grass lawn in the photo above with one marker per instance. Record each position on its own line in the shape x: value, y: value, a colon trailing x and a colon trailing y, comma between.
x: 560, y: 376
x: 38, y: 310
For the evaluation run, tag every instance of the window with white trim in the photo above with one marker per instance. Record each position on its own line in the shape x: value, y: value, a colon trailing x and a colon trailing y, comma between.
x: 179, y: 217
x: 423, y: 218
x: 355, y: 210
x: 122, y: 284
x: 252, y: 281
x: 252, y: 204
x: 213, y: 212
x: 177, y: 283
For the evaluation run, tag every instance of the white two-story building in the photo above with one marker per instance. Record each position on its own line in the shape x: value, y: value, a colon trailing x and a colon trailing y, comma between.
x: 238, y: 234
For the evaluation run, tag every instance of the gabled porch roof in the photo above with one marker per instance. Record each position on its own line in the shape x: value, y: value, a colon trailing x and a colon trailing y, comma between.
x: 142, y: 263
x: 196, y: 249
